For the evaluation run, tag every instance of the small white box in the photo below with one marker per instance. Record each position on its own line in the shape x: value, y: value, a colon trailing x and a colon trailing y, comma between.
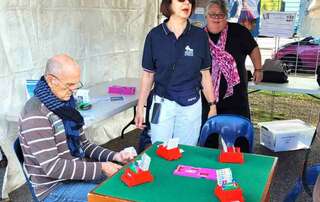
x: 286, y: 135
x: 82, y: 95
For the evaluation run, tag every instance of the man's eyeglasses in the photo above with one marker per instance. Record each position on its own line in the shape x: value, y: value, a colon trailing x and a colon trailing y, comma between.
x: 217, y: 15
x: 71, y: 87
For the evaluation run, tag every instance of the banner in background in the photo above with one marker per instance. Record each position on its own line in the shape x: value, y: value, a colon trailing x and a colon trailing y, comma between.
x: 271, y: 5
x: 198, y: 19
x: 245, y: 12
x: 278, y: 24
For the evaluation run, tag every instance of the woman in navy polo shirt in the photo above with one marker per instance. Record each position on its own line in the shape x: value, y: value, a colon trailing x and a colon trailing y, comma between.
x: 176, y: 60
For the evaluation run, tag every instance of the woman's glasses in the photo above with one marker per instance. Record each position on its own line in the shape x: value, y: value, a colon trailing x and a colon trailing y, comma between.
x: 217, y: 15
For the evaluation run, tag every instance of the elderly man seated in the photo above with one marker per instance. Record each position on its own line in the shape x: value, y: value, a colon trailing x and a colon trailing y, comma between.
x: 56, y: 150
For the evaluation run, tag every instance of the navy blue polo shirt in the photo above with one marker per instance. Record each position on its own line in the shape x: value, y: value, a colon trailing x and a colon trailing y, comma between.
x: 176, y: 62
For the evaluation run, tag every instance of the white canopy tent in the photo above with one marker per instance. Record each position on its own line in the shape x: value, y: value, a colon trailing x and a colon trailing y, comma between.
x: 106, y: 37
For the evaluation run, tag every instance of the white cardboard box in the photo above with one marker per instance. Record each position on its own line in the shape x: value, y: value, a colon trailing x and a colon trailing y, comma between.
x: 286, y: 135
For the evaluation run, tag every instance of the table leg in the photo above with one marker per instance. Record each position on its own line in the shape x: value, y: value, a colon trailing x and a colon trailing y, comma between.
x: 131, y: 122
x: 253, y: 91
x: 272, y: 105
x: 314, y: 96
x: 267, y: 199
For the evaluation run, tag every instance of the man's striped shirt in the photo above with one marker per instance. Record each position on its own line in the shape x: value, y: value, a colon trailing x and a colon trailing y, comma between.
x: 47, y: 158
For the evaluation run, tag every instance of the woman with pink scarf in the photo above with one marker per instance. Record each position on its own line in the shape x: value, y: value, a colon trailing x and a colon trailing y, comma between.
x: 230, y: 43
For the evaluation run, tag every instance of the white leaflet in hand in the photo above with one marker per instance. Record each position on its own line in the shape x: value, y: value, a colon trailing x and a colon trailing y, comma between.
x: 173, y: 143
x: 224, y: 146
x: 145, y: 162
x: 131, y: 150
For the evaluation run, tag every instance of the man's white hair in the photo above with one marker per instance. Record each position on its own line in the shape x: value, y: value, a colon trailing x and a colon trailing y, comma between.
x: 53, y: 67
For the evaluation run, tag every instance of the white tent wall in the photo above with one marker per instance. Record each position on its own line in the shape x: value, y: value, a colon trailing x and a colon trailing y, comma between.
x: 105, y: 36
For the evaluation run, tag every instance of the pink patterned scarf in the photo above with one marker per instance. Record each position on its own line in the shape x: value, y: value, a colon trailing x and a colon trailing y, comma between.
x: 223, y: 62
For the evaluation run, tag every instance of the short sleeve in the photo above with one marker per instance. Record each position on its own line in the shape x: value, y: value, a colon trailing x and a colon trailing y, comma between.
x: 206, y: 61
x: 247, y: 42
x: 147, y: 58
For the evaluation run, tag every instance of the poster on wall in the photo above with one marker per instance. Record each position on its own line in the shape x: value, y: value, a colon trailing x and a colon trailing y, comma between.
x: 279, y: 24
x: 245, y: 12
x: 272, y: 5
x: 198, y: 18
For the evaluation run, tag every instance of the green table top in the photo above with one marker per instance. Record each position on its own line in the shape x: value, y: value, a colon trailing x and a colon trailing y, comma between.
x: 252, y: 177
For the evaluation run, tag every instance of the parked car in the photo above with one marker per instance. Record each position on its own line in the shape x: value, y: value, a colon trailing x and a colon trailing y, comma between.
x: 301, y: 55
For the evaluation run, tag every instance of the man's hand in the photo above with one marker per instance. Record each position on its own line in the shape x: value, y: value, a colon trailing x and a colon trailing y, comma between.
x: 212, y: 111
x: 110, y: 168
x: 257, y: 75
x: 124, y: 156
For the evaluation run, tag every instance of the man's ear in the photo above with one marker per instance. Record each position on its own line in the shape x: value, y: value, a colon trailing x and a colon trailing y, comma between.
x: 50, y: 80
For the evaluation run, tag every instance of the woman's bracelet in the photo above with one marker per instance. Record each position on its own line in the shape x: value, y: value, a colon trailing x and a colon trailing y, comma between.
x: 258, y: 70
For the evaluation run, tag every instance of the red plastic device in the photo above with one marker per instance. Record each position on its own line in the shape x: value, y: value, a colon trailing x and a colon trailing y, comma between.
x: 233, y: 155
x: 169, y: 154
x: 131, y: 178
x: 229, y: 195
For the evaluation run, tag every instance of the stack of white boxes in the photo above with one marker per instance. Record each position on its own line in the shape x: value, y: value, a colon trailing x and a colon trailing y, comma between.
x: 286, y: 135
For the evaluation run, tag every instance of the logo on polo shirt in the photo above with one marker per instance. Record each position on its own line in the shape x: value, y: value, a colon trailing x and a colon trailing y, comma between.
x: 192, y: 99
x: 188, y: 51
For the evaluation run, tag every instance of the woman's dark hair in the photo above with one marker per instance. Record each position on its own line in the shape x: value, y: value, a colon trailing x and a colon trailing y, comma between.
x: 165, y: 7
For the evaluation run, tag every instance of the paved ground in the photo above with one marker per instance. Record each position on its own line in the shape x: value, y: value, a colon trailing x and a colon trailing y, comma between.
x: 289, y: 167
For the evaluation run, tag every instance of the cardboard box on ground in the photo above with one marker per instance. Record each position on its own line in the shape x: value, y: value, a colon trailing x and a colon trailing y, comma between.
x: 286, y: 135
